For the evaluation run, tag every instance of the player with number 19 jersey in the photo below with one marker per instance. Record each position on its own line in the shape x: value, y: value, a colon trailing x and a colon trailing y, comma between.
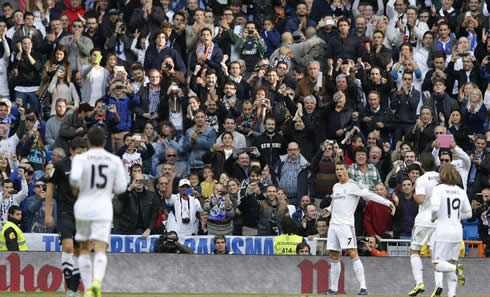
x: 97, y: 173
x: 450, y: 205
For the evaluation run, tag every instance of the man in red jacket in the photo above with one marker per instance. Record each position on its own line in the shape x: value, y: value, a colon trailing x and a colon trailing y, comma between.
x: 377, y: 217
x: 74, y: 11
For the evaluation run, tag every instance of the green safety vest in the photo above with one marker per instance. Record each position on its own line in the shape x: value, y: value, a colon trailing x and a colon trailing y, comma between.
x: 20, y: 237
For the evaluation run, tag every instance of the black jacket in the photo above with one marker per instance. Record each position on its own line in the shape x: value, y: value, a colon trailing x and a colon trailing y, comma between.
x: 350, y: 48
x: 130, y: 205
x: 28, y: 74
x: 405, y: 107
x: 270, y: 147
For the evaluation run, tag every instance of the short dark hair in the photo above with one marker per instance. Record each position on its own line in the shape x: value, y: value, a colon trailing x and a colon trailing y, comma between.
x: 96, y: 136
x: 413, y: 167
x: 427, y: 161
x: 288, y: 226
x: 78, y: 142
x: 341, y: 163
x: 206, y: 29
x: 219, y: 237
x: 361, y: 149
x: 28, y: 13
x: 302, y: 245
x: 95, y: 49
x: 255, y: 169
x: 13, y: 209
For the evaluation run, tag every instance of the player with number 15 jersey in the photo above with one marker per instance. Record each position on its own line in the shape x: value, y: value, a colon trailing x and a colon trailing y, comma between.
x: 97, y: 173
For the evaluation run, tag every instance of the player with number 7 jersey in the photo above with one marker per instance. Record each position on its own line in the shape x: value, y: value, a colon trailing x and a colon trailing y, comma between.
x: 96, y: 174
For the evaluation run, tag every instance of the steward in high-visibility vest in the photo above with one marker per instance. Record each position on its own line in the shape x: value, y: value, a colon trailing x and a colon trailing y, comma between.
x: 11, y: 237
x: 285, y: 244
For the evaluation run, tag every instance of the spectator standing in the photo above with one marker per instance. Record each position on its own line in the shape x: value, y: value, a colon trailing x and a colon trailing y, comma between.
x: 270, y: 212
x: 95, y: 78
x: 345, y: 45
x: 74, y: 11
x: 252, y: 47
x: 184, y: 219
x: 35, y: 206
x: 377, y: 217
x: 8, y: 198
x: 27, y: 66
x: 121, y: 95
x: 137, y: 209
x: 293, y: 173
x: 221, y: 211
x: 79, y: 46
x: 198, y: 140
x: 61, y: 87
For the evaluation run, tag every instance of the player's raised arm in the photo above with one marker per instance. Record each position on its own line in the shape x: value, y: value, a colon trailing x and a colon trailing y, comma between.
x: 368, y: 195
x: 121, y: 181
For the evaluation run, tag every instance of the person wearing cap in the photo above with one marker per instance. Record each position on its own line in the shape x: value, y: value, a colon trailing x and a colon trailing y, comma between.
x: 184, y: 218
x: 74, y: 124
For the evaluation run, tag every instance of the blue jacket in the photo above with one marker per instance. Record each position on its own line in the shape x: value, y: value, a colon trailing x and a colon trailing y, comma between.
x: 154, y: 58
x: 272, y: 40
x: 203, y: 143
x: 34, y: 221
x: 124, y: 108
x: 293, y: 23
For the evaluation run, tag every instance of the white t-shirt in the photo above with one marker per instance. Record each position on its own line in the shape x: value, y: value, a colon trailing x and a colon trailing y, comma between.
x: 424, y: 186
x: 97, y: 173
x: 450, y: 205
x: 345, y: 198
x: 97, y: 81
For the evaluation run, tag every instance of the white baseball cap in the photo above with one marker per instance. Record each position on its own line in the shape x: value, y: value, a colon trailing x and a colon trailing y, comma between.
x: 184, y: 182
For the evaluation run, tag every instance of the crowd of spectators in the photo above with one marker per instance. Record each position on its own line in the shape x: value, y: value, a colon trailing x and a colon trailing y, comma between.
x: 231, y: 114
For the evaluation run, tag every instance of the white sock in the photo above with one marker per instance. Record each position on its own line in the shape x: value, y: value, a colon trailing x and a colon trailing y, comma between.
x: 438, y: 278
x: 85, y: 271
x: 359, y: 270
x: 334, y: 274
x: 100, y: 263
x: 445, y: 266
x: 452, y: 282
x: 67, y: 266
x: 417, y: 268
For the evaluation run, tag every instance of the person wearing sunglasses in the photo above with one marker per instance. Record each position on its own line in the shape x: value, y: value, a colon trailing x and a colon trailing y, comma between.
x: 455, y: 156
x: 79, y: 46
x: 35, y: 205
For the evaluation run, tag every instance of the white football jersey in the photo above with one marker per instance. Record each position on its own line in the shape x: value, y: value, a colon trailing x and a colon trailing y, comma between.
x: 424, y: 185
x: 345, y: 198
x: 97, y: 173
x: 450, y: 205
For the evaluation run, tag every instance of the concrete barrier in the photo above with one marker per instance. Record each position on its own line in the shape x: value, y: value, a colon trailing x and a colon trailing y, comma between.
x: 171, y: 273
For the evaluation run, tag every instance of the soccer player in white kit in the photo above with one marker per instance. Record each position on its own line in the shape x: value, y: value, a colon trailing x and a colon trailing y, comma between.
x: 95, y: 174
x: 450, y: 205
x: 341, y: 232
x: 423, y: 227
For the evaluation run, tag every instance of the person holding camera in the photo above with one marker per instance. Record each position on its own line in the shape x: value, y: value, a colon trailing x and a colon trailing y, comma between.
x: 252, y: 47
x: 481, y: 210
x: 221, y: 211
x: 120, y: 44
x: 121, y: 94
x: 184, y: 219
x: 35, y: 205
x: 136, y: 210
x: 169, y: 243
x: 158, y: 50
x: 370, y: 246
